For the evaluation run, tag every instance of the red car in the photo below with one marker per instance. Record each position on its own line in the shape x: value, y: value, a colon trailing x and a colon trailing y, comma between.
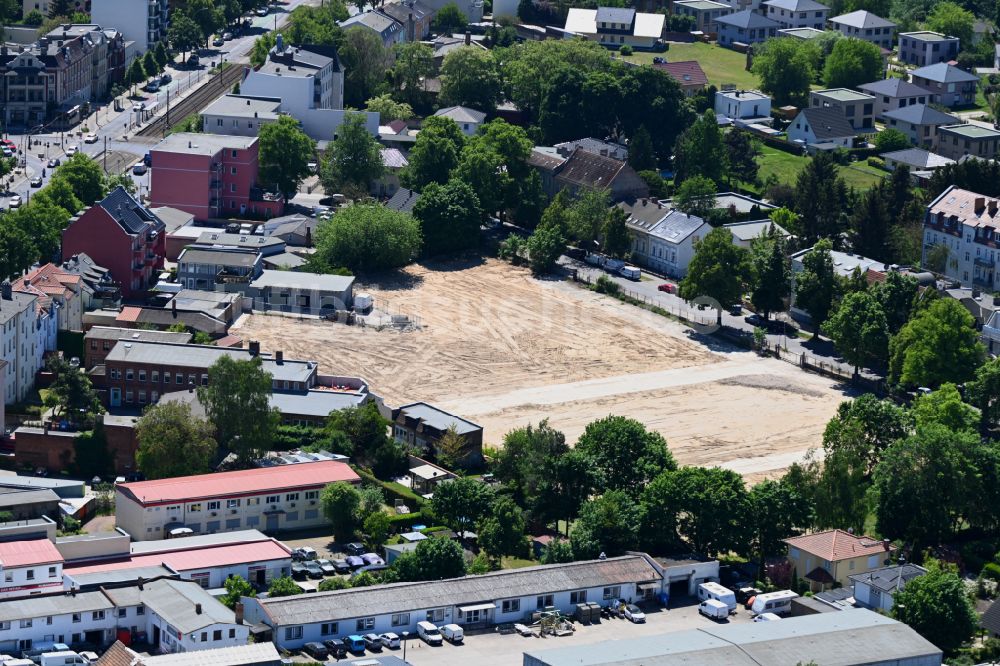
x: 10, y: 144
x: 667, y: 287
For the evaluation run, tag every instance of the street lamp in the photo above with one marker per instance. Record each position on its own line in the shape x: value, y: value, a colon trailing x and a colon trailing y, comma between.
x: 406, y: 635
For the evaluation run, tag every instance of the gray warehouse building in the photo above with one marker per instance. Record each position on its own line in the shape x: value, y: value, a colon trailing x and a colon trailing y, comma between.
x: 855, y: 637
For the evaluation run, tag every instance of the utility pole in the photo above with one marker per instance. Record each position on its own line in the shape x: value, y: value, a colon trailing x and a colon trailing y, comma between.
x: 105, y: 154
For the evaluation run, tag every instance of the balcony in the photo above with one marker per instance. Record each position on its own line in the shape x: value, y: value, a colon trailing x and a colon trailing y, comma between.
x: 227, y: 276
x: 985, y: 262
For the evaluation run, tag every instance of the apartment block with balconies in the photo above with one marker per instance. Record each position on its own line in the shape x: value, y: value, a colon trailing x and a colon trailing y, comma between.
x: 962, y: 238
x: 143, y: 22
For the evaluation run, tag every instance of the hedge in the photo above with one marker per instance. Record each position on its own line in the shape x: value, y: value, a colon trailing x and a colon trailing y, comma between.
x: 392, y: 489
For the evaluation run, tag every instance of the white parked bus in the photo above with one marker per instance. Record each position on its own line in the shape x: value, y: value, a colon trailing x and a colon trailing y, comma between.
x: 716, y: 591
x: 779, y: 603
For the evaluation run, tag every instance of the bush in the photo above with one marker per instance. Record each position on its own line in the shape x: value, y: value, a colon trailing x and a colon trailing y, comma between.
x: 991, y: 571
x: 876, y: 162
x: 606, y: 285
x: 625, y: 50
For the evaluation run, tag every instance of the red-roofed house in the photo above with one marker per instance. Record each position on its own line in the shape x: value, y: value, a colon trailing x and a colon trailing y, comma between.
x: 30, y: 567
x: 687, y: 73
x: 825, y: 558
x: 60, y: 287
x: 271, y: 499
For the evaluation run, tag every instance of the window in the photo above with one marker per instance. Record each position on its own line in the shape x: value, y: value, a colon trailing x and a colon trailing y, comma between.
x: 234, y: 153
x: 8, y: 576
x: 97, y: 615
x: 129, y: 396
x: 543, y: 601
x: 232, y: 633
x: 218, y: 122
x: 401, y: 619
x: 293, y: 633
x: 52, y: 572
x: 217, y: 635
x: 328, y: 629
x: 365, y: 624
x: 122, y: 612
x: 578, y: 597
x: 204, y: 637
x: 48, y: 620
x: 612, y: 592
x: 436, y: 615
x: 272, y: 499
x: 129, y: 374
x: 232, y: 504
x: 140, y: 610
x: 76, y: 617
x: 312, y: 494
x: 204, y: 380
x: 510, y: 606
x: 232, y: 171
x: 195, y: 507
x: 253, y: 501
x: 155, y: 377
x: 25, y: 624
x: 214, y: 506
x: 31, y: 574
x: 179, y: 378
x: 4, y: 626
x: 142, y: 375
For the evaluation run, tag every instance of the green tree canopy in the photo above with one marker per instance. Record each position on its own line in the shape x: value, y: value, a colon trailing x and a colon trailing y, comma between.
x: 607, y: 524
x: 470, y: 77
x: 283, y: 586
x: 771, y: 274
x: 285, y: 153
x: 462, y: 503
x: 368, y: 237
x: 449, y: 18
x: 340, y: 502
x: 945, y: 407
x: 696, y: 196
x: 84, y: 176
x: 851, y: 63
x: 237, y: 402
x: 353, y: 160
x: 388, y: 108
x: 433, y: 559
x: 816, y: 284
x: 939, y: 344
x: 952, y: 19
x: 891, y: 139
x: 779, y: 512
x: 858, y: 329
x: 937, y: 606
x: 435, y: 153
x: 786, y: 67
x: 71, y: 393
x: 718, y: 270
x: 985, y: 393
x: 624, y: 453
x: 173, y: 442
x: 701, y: 151
x: 821, y: 199
x: 502, y: 531
x: 413, y: 65
x: 237, y: 587
x: 183, y: 34
x: 366, y: 61
x: 449, y: 217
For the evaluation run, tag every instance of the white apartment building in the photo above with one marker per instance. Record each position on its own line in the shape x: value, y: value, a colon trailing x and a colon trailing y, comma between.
x: 796, y: 13
x: 270, y: 499
x: 30, y: 568
x: 175, y: 616
x: 28, y: 330
x: 143, y: 22
x: 967, y: 225
x: 663, y: 239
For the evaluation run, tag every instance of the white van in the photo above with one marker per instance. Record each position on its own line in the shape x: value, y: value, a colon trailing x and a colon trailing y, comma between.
x: 766, y: 617
x: 713, y: 608
x: 630, y: 272
x: 453, y: 633
x: 779, y: 603
x: 715, y: 591
x: 429, y: 633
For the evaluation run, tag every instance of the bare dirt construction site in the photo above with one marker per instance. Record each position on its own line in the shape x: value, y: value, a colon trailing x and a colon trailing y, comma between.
x: 501, y: 348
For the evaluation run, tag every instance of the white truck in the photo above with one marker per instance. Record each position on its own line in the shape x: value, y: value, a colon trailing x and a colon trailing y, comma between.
x: 714, y: 609
x: 719, y: 593
x: 453, y: 633
x: 429, y: 632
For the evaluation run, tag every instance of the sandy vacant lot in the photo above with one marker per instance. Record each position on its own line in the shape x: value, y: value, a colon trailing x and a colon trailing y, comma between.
x: 503, y: 349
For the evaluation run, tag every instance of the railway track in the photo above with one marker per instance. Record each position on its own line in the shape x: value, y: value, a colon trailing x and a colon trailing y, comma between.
x: 217, y: 85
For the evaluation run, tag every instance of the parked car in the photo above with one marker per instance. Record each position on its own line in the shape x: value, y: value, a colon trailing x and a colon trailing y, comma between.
x: 153, y: 86
x: 355, y: 643
x: 72, y: 150
x: 714, y: 609
x: 767, y: 617
x: 745, y: 594
x: 372, y: 559
x: 14, y: 202
x: 218, y: 41
x: 736, y: 309
x: 299, y: 572
x: 336, y: 647
x: 36, y: 181
x: 369, y: 568
x: 313, y: 569
x: 304, y: 553
x: 54, y: 162
x: 373, y: 642
x: 341, y: 566
x: 668, y: 288
x: 262, y: 11
x: 193, y: 60
x: 327, y: 567
x: 390, y: 640
x: 630, y: 273
x: 6, y: 151
x: 355, y: 562
x: 316, y: 650
x: 429, y: 632
x: 165, y: 79
x: 453, y: 633
x: 634, y: 614
x: 139, y: 168
x: 90, y: 138
x: 354, y: 549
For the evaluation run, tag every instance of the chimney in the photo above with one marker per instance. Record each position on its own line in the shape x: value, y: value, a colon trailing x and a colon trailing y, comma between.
x: 139, y: 582
x: 248, y: 102
x: 5, y: 291
x: 886, y: 544
x: 309, y: 237
x: 411, y: 29
x: 197, y: 609
x: 254, y: 348
x: 468, y: 38
x: 238, y: 610
x: 992, y: 207
x: 980, y: 205
x: 173, y: 308
x: 279, y: 357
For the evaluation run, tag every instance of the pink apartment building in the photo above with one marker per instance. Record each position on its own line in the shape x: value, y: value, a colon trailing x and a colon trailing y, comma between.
x: 210, y: 176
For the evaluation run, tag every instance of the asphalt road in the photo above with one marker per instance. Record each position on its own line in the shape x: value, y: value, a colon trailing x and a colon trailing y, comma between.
x: 115, y: 127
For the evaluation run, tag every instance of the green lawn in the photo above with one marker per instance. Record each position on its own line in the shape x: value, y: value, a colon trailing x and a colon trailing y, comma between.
x: 720, y: 65
x: 786, y: 167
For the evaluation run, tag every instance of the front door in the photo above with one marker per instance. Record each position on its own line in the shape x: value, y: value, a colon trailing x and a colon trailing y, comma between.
x: 116, y: 397
x: 272, y: 522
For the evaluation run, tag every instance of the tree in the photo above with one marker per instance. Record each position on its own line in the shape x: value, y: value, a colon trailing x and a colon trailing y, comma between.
x: 161, y: 55
x: 237, y: 587
x: 368, y: 237
x: 364, y: 427
x: 820, y: 199
x: 433, y: 559
x: 183, y: 34
x: 779, y: 511
x: 334, y: 583
x: 891, y: 139
x: 483, y: 170
x: 434, y: 154
x: 816, y: 285
x: 462, y: 503
x: 340, y: 502
x: 353, y: 159
x: 237, y: 402
x: 718, y: 269
x: 60, y: 8
x: 285, y: 153
x: 502, y: 531
x: 558, y: 551
x: 939, y: 344
x: 896, y: 295
x: 377, y: 526
x: 696, y: 196
x: 585, y: 217
x: 207, y: 16
x: 625, y: 454
x: 469, y: 77
x: 449, y: 447
x: 701, y: 151
x: 858, y: 329
x: 84, y: 176
x: 952, y: 19
x: 283, y: 586
x: 617, y: 241
x: 71, y: 394
x: 545, y: 246
x: 388, y: 108
x: 449, y: 18
x: 945, y: 407
x: 771, y: 274
x: 937, y: 606
x: 985, y: 393
x: 607, y: 524
x: 366, y: 60
x: 370, y: 500
x: 640, y: 150
x: 869, y: 225
x: 851, y: 63
x: 863, y: 429
x: 173, y: 442
x: 42, y: 222
x: 414, y: 64
x: 742, y: 152
x: 786, y: 68
x: 149, y: 65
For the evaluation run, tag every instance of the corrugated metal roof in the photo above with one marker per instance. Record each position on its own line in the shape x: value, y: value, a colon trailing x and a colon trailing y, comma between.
x: 28, y: 553
x: 175, y: 601
x: 402, y: 597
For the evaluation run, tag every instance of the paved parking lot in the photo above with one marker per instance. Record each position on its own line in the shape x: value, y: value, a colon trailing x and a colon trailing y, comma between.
x: 493, y: 649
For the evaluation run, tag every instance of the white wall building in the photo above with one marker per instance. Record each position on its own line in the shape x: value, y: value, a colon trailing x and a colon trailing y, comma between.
x: 30, y: 568
x: 796, y: 13
x: 270, y: 499
x: 742, y: 104
x: 875, y: 589
x: 144, y: 23
x: 663, y: 239
x: 240, y: 115
x: 963, y: 229
x: 472, y: 601
x: 28, y: 331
